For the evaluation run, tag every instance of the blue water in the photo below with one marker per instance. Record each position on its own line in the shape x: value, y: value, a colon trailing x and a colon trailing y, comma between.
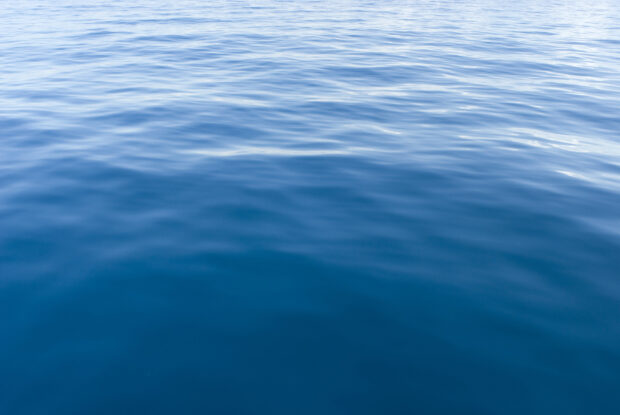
x: 310, y: 207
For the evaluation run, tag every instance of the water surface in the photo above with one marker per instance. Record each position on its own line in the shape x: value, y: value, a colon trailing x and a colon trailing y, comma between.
x: 310, y: 207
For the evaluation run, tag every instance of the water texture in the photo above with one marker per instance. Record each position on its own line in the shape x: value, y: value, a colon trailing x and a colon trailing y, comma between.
x: 310, y: 207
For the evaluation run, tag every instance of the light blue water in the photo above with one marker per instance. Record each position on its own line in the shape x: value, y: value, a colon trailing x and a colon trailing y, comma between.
x: 310, y: 207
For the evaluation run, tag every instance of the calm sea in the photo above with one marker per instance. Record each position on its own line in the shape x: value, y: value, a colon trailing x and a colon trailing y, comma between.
x: 310, y: 207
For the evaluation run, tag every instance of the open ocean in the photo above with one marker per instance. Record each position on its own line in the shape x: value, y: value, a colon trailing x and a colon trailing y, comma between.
x: 310, y: 207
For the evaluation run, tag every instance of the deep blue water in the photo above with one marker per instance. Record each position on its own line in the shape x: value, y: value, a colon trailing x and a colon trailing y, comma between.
x: 310, y: 207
